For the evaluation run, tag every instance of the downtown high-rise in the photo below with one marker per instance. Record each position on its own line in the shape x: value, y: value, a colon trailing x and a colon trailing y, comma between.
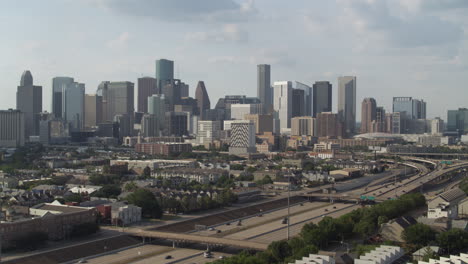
x: 203, y: 100
x: 29, y: 101
x: 347, y: 104
x: 322, y: 97
x: 58, y: 83
x: 264, y: 90
x: 368, y: 114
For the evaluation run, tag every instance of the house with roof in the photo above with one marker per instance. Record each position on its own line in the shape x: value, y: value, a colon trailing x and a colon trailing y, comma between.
x: 446, y: 204
x: 393, y: 229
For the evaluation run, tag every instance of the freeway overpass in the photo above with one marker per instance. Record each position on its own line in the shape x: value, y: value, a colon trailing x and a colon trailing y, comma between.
x: 187, y: 238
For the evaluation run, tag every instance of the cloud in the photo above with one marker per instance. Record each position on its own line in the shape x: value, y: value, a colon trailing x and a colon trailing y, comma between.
x: 120, y: 42
x: 228, y: 33
x: 183, y: 10
x: 444, y: 4
x: 415, y: 29
x: 273, y: 57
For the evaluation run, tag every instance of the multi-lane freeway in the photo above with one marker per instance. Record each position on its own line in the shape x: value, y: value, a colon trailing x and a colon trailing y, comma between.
x: 257, y: 231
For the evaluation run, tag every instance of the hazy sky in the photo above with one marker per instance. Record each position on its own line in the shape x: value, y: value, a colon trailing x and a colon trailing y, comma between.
x: 413, y: 48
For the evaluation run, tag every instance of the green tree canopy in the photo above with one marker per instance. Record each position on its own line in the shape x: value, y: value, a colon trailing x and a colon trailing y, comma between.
x: 419, y: 234
x: 147, y: 201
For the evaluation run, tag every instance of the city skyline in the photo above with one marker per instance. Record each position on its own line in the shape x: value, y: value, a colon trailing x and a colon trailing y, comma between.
x: 208, y: 42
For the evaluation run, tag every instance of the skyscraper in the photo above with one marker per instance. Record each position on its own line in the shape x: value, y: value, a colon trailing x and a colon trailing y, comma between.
x: 307, y: 100
x: 282, y: 103
x: 73, y: 105
x: 264, y: 90
x: 150, y: 126
x: 11, y: 128
x: 242, y: 137
x: 298, y: 103
x: 304, y: 126
x: 457, y: 120
x: 157, y: 108
x: 164, y: 72
x: 414, y: 108
x: 57, y: 88
x: 329, y: 125
x: 203, y: 100
x: 322, y: 97
x: 380, y: 120
x: 208, y: 131
x: 102, y: 90
x: 176, y: 124
x: 29, y: 101
x: 147, y: 86
x: 368, y: 114
x: 93, y: 110
x: 347, y: 103
x: 119, y: 99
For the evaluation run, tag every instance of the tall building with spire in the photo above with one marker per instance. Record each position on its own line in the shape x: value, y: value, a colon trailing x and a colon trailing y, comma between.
x: 29, y: 101
x: 203, y: 100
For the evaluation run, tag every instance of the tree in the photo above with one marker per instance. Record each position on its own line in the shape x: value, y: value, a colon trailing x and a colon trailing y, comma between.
x: 130, y: 187
x: 146, y: 172
x: 147, y: 201
x: 251, y: 169
x: 280, y: 250
x: 419, y: 234
x: 453, y: 240
x: 108, y: 191
x: 73, y: 198
x: 237, y: 167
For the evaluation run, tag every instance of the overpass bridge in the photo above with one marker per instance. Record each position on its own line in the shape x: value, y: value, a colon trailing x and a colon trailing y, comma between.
x: 340, y: 197
x: 187, y: 238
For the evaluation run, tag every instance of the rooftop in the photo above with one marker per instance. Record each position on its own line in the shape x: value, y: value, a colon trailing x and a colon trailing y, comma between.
x: 453, y: 194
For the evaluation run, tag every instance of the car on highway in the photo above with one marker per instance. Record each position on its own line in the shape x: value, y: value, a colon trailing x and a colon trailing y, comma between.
x: 168, y: 257
x: 228, y: 223
x: 207, y: 254
x: 326, y: 210
x: 211, y: 229
x: 285, y: 221
x: 334, y: 207
x: 221, y: 257
x: 82, y: 261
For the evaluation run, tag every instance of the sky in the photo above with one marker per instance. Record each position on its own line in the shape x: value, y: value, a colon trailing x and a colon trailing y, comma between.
x: 415, y: 48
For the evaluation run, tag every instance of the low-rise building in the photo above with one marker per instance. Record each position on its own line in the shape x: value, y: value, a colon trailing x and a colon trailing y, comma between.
x: 125, y: 214
x: 419, y: 254
x: 446, y: 204
x: 392, y: 230
x: 54, y: 219
x: 381, y: 255
x: 156, y: 164
x: 165, y: 149
x: 348, y: 172
x: 453, y: 259
x: 199, y: 175
x: 315, y: 259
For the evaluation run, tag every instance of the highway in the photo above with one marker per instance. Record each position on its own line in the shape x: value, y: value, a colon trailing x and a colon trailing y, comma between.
x: 257, y: 232
x: 215, y: 241
x: 156, y: 254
